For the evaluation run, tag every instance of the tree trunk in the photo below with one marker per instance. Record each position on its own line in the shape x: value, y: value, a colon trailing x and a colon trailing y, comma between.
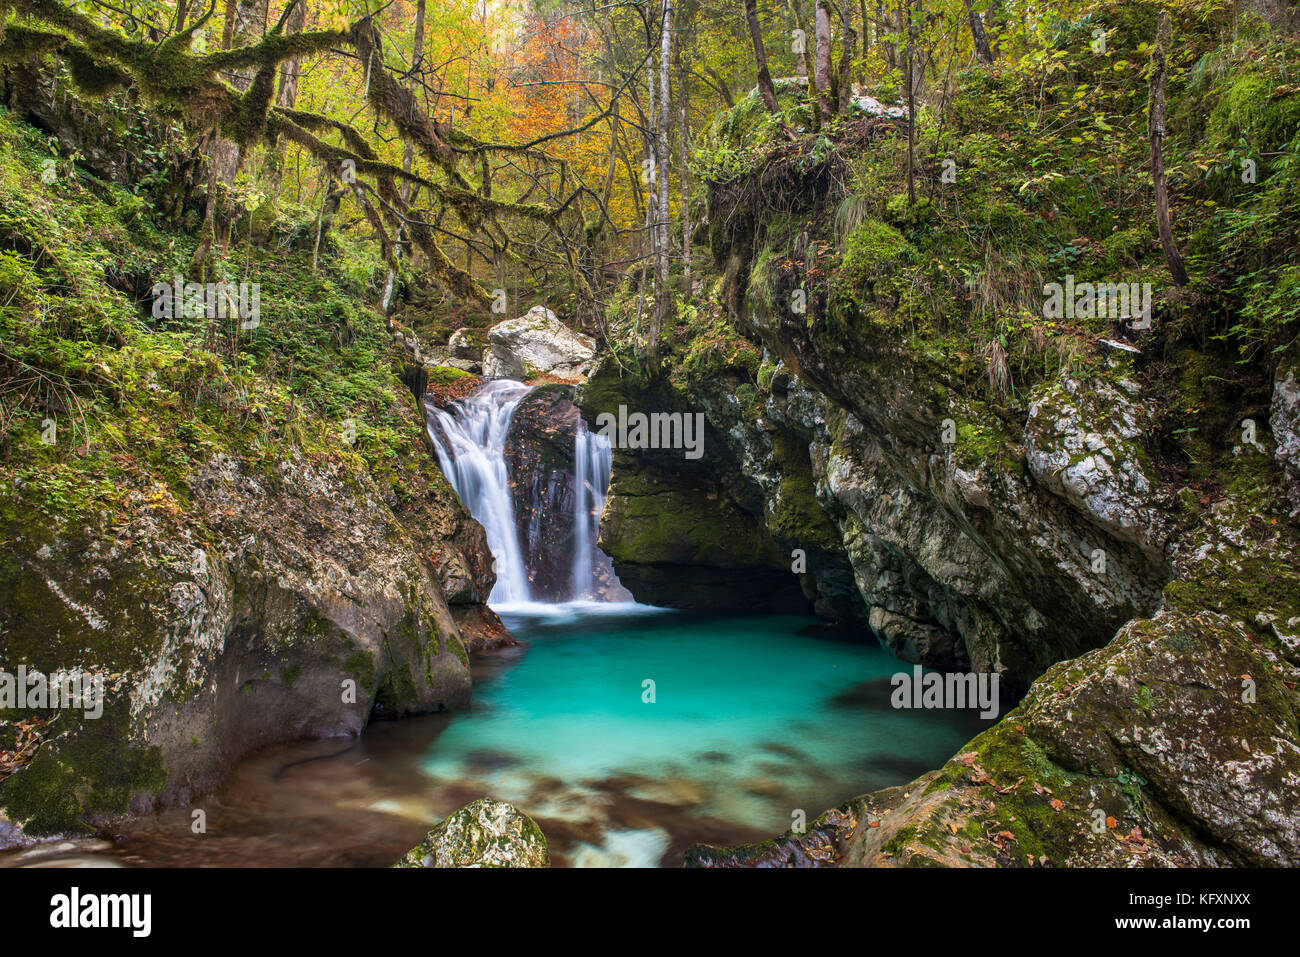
x: 994, y: 23
x: 683, y: 177
x: 801, y: 51
x: 244, y: 23
x: 286, y: 96
x: 978, y: 37
x: 847, y: 52
x: 408, y: 162
x: 1156, y: 130
x: 822, y: 56
x: 911, y: 104
x: 765, y: 88
x: 663, y: 307
x: 891, y: 46
x: 813, y: 98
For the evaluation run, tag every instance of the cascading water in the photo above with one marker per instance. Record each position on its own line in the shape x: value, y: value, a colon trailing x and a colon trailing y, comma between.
x: 472, y: 436
x: 592, y: 460
x: 471, y: 441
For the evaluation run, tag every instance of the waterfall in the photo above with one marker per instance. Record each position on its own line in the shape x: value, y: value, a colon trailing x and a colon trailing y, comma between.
x: 593, y: 459
x: 471, y: 436
x: 471, y: 441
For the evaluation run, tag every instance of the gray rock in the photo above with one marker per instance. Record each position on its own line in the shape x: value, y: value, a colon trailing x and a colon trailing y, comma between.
x: 299, y: 608
x: 537, y: 342
x: 1285, y: 420
x: 466, y: 344
x: 1081, y: 443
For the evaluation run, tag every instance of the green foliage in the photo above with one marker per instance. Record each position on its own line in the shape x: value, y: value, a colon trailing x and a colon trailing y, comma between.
x: 137, y: 405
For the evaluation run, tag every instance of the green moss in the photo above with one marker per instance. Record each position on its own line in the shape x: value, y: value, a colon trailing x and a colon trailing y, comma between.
x: 798, y: 516
x: 874, y: 250
x: 43, y: 797
x: 360, y: 667
x: 898, y: 843
x: 446, y: 375
x: 396, y: 690
x: 90, y: 773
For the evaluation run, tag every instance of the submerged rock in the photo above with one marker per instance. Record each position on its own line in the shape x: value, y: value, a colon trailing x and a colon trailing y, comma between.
x: 535, y: 343
x: 486, y: 833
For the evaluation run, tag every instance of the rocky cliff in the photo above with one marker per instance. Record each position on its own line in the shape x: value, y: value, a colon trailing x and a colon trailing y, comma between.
x: 1100, y: 512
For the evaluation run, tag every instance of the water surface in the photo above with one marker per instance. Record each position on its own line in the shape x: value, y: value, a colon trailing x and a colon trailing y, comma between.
x: 752, y: 720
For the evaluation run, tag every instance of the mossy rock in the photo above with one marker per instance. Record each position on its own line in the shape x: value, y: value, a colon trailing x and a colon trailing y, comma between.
x: 486, y: 833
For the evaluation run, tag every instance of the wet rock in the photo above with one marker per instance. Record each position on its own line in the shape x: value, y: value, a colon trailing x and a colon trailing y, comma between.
x: 486, y: 833
x: 689, y: 533
x: 818, y: 846
x: 918, y: 642
x: 540, y: 454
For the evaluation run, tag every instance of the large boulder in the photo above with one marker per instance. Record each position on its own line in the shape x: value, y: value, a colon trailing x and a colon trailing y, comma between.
x: 537, y: 343
x: 466, y: 344
x: 486, y: 833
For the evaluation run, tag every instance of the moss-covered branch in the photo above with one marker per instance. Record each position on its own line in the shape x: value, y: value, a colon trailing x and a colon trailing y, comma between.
x: 171, y: 75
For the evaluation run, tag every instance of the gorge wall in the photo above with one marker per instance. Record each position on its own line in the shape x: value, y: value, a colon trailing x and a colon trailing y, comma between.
x: 1049, y: 535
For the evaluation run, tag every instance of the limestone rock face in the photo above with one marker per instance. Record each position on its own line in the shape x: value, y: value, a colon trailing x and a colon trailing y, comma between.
x: 1002, y: 560
x: 281, y: 605
x: 690, y: 533
x: 486, y: 833
x: 537, y: 342
x: 1081, y: 443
